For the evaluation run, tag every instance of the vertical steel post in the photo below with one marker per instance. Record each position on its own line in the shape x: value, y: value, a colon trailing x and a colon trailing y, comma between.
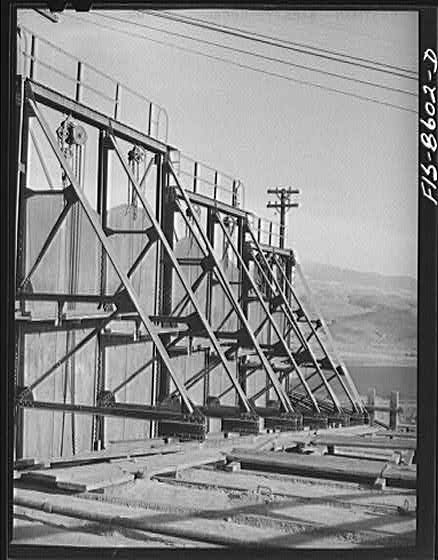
x: 117, y: 101
x: 216, y: 184
x: 150, y: 119
x: 102, y: 209
x: 153, y: 432
x: 99, y: 441
x: 33, y: 55
x: 243, y: 294
x: 22, y: 202
x: 270, y: 294
x: 195, y: 176
x: 79, y: 77
x: 208, y: 308
x: 23, y: 158
x: 234, y: 194
x: 288, y: 272
x: 167, y: 221
x: 19, y: 382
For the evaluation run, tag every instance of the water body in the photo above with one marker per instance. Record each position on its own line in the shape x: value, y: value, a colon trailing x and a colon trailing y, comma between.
x: 386, y: 379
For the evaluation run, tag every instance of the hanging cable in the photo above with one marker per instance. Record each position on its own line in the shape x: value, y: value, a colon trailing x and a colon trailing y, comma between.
x: 71, y: 139
x: 286, y: 44
x: 252, y: 68
x: 260, y: 56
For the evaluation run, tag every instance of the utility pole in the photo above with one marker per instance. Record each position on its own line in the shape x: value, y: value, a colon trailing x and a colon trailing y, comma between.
x: 284, y: 203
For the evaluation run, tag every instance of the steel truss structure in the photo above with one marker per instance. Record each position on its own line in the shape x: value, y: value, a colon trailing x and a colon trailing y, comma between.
x: 262, y: 344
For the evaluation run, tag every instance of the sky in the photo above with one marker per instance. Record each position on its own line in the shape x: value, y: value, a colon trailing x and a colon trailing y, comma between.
x: 354, y: 161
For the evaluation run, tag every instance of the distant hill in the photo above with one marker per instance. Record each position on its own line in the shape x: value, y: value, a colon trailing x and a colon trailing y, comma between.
x: 330, y: 273
x: 372, y: 317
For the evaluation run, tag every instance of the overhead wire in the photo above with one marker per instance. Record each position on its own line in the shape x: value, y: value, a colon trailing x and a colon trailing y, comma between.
x: 241, y: 65
x: 260, y: 56
x: 286, y: 44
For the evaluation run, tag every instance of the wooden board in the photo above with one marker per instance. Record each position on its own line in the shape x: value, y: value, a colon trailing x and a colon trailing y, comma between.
x: 26, y: 464
x: 373, y: 454
x: 111, y: 453
x: 82, y: 478
x: 403, y: 475
x: 148, y: 467
x: 396, y: 434
x: 370, y: 443
x: 327, y: 466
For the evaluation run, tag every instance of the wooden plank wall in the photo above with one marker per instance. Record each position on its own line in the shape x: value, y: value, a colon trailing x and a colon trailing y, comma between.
x: 44, y: 430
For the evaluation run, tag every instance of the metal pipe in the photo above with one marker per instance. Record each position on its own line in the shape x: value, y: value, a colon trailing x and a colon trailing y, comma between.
x: 119, y: 410
x: 52, y: 504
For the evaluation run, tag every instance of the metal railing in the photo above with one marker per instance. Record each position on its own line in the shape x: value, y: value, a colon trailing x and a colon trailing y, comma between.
x: 194, y: 175
x: 201, y: 178
x: 266, y: 231
x: 60, y: 67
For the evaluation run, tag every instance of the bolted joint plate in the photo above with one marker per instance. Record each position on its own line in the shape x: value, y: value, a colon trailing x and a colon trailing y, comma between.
x: 195, y: 324
x: 105, y: 399
x: 248, y: 253
x: 208, y: 263
x: 275, y: 302
x: 70, y: 196
x: 23, y: 396
x: 152, y: 234
x: 124, y: 302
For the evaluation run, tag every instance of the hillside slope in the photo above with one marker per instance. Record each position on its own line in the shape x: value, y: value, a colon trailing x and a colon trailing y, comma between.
x: 373, y: 318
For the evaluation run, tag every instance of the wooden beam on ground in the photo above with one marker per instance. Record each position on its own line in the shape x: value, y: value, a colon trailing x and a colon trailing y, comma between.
x: 110, y: 454
x: 80, y: 479
x: 396, y: 434
x: 369, y: 443
x: 326, y: 466
x: 149, y: 467
x: 373, y: 454
x: 210, y: 531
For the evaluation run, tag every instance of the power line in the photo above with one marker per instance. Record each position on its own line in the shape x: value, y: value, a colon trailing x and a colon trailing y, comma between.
x: 273, y: 41
x: 53, y: 17
x: 240, y: 65
x: 261, y: 56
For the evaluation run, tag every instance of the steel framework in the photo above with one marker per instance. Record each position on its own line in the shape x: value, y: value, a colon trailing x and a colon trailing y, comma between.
x: 200, y: 362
